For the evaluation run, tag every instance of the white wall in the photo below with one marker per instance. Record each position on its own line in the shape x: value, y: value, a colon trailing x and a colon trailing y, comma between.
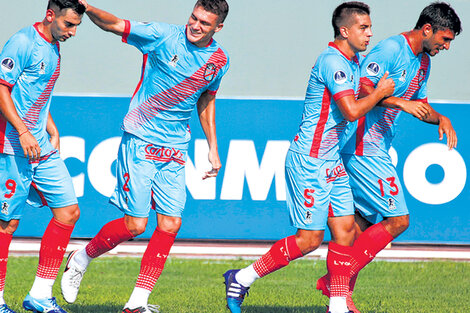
x: 273, y: 44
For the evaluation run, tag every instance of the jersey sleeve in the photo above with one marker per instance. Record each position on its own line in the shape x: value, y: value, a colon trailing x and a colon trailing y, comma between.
x: 144, y: 35
x: 337, y: 75
x: 14, y: 58
x: 377, y: 62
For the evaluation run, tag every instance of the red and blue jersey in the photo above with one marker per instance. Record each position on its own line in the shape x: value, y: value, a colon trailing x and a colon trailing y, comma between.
x: 333, y: 77
x: 175, y: 73
x: 372, y: 134
x: 30, y: 66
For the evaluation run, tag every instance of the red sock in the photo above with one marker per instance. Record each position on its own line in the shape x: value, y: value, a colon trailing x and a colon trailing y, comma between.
x: 5, y: 240
x: 280, y: 254
x: 154, y: 258
x: 108, y: 237
x: 366, y: 247
x: 53, y: 245
x: 338, y: 262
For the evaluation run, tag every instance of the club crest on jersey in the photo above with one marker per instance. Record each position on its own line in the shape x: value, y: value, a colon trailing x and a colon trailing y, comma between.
x: 340, y: 77
x: 373, y: 69
x: 8, y: 64
x: 308, y: 217
x: 210, y: 72
x: 174, y: 60
x: 5, y: 208
x: 42, y: 69
x: 402, y: 76
x: 421, y: 77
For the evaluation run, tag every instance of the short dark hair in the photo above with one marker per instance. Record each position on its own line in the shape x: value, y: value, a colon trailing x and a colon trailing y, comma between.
x: 218, y: 7
x: 344, y: 11
x: 67, y: 4
x: 440, y: 16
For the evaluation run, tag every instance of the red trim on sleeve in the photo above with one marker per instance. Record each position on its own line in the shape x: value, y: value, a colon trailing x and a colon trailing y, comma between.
x: 10, y: 86
x: 361, y: 126
x: 144, y: 63
x: 127, y: 30
x: 343, y: 93
x: 366, y: 81
x: 325, y: 111
x: 212, y: 92
x: 425, y: 100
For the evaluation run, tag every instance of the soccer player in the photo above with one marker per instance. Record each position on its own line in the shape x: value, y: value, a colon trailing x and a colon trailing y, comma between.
x: 378, y: 195
x: 182, y: 68
x: 29, y: 146
x: 317, y: 184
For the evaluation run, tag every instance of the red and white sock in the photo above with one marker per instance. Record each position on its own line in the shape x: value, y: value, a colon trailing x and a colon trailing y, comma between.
x: 5, y: 240
x: 151, y: 266
x: 280, y: 254
x: 112, y: 234
x: 51, y: 254
x: 338, y: 262
x: 366, y: 247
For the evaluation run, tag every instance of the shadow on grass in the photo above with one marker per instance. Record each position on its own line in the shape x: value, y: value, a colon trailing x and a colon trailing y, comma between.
x: 80, y: 308
x: 280, y: 309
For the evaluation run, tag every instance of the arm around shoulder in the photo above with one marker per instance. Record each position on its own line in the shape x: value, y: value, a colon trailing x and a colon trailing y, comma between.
x: 106, y: 21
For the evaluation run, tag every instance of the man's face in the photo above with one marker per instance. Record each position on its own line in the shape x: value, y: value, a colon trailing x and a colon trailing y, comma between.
x: 65, y: 24
x: 359, y: 32
x: 201, y: 26
x: 437, y: 41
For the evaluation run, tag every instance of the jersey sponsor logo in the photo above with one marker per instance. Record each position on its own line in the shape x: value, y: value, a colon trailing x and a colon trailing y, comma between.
x: 5, y: 208
x: 174, y: 60
x: 210, y: 72
x: 373, y: 69
x: 42, y: 69
x: 336, y: 172
x: 421, y: 77
x: 163, y: 154
x: 402, y: 76
x: 8, y: 64
x: 340, y: 77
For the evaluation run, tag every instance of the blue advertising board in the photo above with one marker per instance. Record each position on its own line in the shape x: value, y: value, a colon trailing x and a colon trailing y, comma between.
x: 247, y: 200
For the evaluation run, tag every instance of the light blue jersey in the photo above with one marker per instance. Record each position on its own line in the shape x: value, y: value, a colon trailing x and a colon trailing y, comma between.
x: 372, y: 134
x: 30, y: 66
x: 333, y: 77
x: 175, y: 73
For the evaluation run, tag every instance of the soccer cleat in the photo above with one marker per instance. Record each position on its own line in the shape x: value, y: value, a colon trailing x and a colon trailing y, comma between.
x: 150, y: 308
x: 235, y: 293
x: 71, y: 279
x: 324, y: 286
x: 48, y: 305
x: 5, y: 309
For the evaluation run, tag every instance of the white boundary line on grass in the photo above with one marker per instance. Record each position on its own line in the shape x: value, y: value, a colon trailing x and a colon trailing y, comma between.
x: 22, y: 247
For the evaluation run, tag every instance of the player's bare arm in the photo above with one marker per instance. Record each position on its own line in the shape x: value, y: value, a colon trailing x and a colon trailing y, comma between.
x: 206, y: 111
x: 28, y: 142
x: 353, y: 109
x: 53, y: 132
x: 104, y: 20
x: 418, y: 109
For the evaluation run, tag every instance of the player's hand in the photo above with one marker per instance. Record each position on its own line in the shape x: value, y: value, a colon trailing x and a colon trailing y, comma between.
x: 30, y: 146
x: 418, y: 109
x: 216, y: 165
x: 55, y: 141
x: 84, y: 3
x: 386, y: 85
x: 445, y: 127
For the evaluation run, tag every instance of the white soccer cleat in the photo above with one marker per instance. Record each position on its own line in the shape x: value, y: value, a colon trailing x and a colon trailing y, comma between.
x: 71, y: 279
x: 149, y: 308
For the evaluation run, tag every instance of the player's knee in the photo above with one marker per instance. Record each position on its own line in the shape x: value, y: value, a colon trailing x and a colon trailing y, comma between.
x: 67, y: 215
x: 398, y: 224
x: 308, y: 244
x: 9, y: 227
x: 169, y: 224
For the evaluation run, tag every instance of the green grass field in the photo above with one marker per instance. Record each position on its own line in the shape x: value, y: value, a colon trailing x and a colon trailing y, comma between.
x: 189, y: 285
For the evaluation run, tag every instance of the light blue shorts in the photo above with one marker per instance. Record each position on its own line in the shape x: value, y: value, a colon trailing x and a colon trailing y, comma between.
x: 316, y: 189
x: 376, y: 188
x: 46, y: 182
x: 149, y: 176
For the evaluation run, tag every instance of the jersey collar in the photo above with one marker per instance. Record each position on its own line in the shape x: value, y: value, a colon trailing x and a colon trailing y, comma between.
x: 333, y: 45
